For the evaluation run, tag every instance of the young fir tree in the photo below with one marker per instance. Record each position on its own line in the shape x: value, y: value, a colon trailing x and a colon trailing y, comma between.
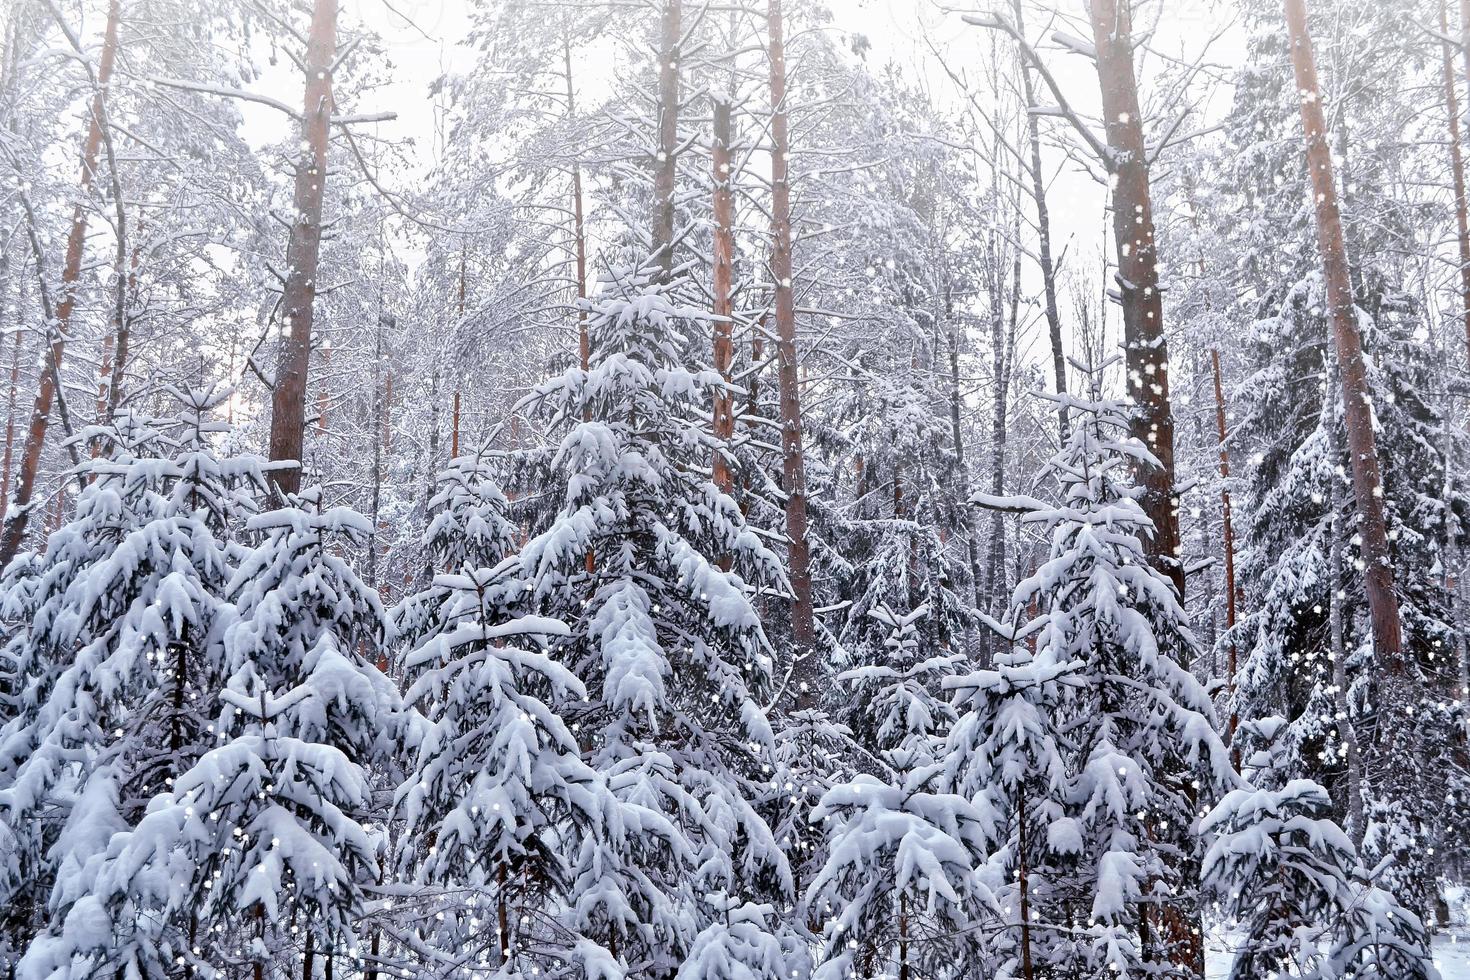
x: 42, y: 622
x: 308, y: 728
x: 497, y: 796
x: 898, y: 699
x: 131, y: 709
x: 885, y: 548
x: 655, y: 573
x: 741, y: 944
x: 1005, y: 754
x: 1140, y: 750
x: 468, y: 529
x: 904, y: 880
x: 1290, y: 880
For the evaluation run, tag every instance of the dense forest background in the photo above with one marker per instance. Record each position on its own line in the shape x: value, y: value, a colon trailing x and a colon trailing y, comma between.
x: 706, y: 490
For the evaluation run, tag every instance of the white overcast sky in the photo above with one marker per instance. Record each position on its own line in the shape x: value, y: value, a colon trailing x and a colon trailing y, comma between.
x: 422, y: 50
x: 420, y: 39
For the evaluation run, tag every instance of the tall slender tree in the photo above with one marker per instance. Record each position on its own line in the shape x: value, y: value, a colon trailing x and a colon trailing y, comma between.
x: 288, y: 395
x: 17, y: 513
x: 806, y: 670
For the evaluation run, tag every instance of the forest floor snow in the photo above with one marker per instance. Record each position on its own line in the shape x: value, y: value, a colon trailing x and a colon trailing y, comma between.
x: 1451, y: 955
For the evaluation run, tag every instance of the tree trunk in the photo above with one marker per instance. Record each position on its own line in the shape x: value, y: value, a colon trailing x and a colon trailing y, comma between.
x: 724, y: 275
x: 668, y: 138
x: 324, y: 386
x: 1043, y: 232
x: 962, y: 469
x: 579, y: 234
x: 46, y: 389
x: 502, y: 915
x: 996, y: 561
x: 1378, y: 575
x: 806, y: 670
x: 288, y: 399
x: 454, y: 435
x: 122, y: 330
x: 1022, y: 880
x: 104, y: 379
x: 380, y: 439
x: 1228, y: 522
x: 10, y: 419
x: 1354, y: 804
x: 903, y: 938
x: 388, y: 410
x: 1457, y: 167
x: 1144, y: 341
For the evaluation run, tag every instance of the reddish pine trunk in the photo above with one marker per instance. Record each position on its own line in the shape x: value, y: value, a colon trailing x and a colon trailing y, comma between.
x: 1138, y: 276
x: 25, y: 483
x: 10, y: 420
x: 454, y: 437
x: 288, y: 400
x: 724, y: 269
x: 668, y: 137
x: 806, y: 672
x: 1457, y: 167
x: 323, y: 389
x: 1231, y: 609
x: 1383, y: 610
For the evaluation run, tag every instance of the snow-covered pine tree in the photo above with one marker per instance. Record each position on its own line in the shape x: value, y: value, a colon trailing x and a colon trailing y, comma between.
x: 741, y: 944
x: 1141, y: 750
x: 898, y: 698
x: 1290, y: 880
x: 497, y: 798
x: 655, y: 573
x: 1005, y: 754
x: 468, y: 529
x: 904, y: 881
x: 281, y: 825
x: 139, y: 634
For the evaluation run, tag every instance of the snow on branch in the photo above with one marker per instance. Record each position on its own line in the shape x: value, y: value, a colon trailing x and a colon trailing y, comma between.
x: 225, y: 92
x: 1010, y: 504
x: 1075, y: 44
x: 995, y: 22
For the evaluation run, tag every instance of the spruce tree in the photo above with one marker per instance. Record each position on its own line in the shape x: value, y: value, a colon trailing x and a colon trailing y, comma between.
x: 1290, y: 880
x: 898, y: 699
x: 130, y: 710
x: 655, y: 574
x: 1006, y: 754
x: 1141, y: 752
x: 497, y: 783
